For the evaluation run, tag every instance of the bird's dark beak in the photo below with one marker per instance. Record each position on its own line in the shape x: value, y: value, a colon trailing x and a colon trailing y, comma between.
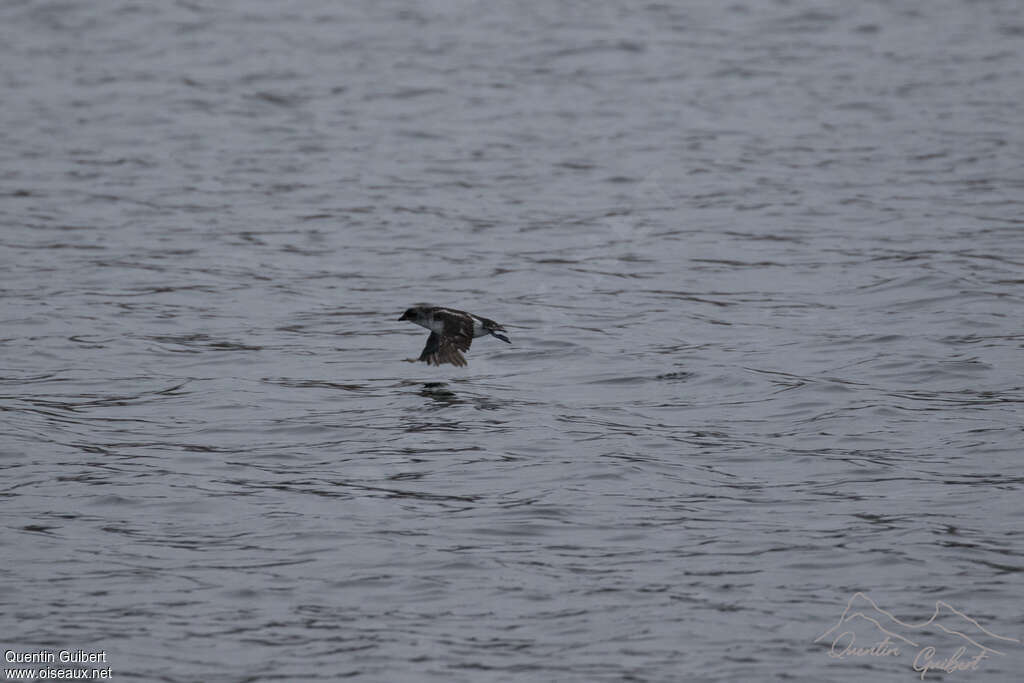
x: 405, y: 316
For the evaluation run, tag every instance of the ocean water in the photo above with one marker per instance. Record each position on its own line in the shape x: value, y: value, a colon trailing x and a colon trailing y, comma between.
x: 761, y: 264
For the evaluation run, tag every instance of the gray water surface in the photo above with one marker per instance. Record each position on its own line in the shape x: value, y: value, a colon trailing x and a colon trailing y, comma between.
x: 762, y: 268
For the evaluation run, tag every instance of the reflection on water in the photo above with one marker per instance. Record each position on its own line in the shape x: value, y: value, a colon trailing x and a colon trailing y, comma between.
x: 440, y: 393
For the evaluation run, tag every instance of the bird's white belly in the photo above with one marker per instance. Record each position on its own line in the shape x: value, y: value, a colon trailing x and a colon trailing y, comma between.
x: 435, y: 326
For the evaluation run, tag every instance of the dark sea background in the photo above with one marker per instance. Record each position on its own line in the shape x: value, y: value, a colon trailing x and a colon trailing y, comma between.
x: 762, y: 264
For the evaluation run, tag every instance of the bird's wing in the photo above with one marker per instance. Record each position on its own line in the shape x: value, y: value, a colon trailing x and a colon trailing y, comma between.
x: 431, y: 348
x: 443, y: 349
x: 460, y: 329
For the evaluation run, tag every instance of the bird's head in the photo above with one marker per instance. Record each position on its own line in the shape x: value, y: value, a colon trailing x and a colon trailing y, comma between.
x: 410, y: 314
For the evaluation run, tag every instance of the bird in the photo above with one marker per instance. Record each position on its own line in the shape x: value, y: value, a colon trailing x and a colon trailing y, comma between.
x: 451, y: 332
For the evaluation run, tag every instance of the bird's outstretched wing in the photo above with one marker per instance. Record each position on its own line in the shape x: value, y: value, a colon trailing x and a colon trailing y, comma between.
x: 445, y: 349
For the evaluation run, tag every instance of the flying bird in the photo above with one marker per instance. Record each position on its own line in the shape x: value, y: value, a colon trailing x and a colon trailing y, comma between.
x: 451, y: 332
